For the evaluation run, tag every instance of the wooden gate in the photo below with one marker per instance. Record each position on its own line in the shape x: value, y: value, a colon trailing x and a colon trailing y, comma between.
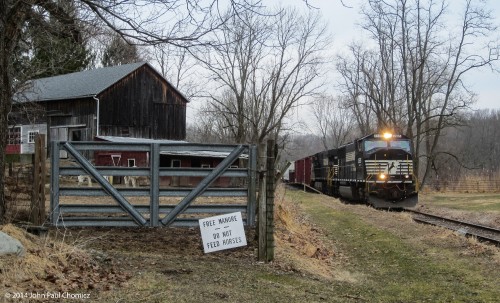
x: 143, y: 204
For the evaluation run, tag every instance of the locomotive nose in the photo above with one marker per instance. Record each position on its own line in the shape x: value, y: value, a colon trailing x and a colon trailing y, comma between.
x: 395, y: 194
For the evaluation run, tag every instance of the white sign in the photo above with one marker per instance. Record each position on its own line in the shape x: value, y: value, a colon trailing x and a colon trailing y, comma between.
x: 222, y: 232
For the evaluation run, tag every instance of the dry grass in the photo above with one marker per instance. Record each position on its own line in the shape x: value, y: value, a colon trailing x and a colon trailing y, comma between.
x: 41, y: 256
x: 50, y: 264
x: 477, y: 208
x: 298, y: 241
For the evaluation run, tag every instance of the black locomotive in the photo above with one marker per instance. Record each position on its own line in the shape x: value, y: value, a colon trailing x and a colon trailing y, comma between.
x: 376, y: 169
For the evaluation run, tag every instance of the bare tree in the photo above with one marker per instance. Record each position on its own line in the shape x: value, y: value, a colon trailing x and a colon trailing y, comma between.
x: 232, y: 65
x: 301, y: 145
x: 476, y: 149
x: 179, y: 67
x: 120, y: 51
x: 211, y: 126
x: 335, y: 122
x: 413, y: 80
x: 477, y: 143
x: 268, y: 63
x: 459, y: 59
x: 353, y: 88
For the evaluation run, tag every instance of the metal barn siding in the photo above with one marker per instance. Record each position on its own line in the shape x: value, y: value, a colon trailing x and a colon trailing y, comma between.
x: 122, y: 159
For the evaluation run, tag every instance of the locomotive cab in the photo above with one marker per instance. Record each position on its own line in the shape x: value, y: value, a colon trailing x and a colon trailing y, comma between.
x: 388, y: 169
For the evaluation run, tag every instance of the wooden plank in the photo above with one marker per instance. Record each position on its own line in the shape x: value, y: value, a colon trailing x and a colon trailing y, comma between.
x: 39, y: 175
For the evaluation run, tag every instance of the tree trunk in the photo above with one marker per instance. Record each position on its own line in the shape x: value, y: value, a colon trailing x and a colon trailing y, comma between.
x: 5, y: 103
x: 12, y: 16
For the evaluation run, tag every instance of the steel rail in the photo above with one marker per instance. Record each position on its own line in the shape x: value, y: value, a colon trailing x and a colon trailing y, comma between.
x: 481, y: 232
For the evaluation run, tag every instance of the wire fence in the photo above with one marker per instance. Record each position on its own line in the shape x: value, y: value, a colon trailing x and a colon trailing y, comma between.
x: 466, y: 186
x: 18, y: 191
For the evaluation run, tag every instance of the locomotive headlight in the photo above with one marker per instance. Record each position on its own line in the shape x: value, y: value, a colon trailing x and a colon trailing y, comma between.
x: 382, y: 176
x: 407, y: 176
x: 387, y: 136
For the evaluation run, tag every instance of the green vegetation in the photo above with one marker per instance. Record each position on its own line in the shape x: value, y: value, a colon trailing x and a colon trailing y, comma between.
x: 395, y: 269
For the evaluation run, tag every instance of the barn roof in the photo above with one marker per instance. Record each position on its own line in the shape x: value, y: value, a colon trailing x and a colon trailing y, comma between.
x: 187, y: 152
x: 116, y: 139
x: 82, y: 84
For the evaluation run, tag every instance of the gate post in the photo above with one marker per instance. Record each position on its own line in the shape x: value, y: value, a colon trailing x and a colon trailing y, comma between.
x: 39, y: 173
x: 252, y: 185
x: 154, y: 205
x: 54, y: 181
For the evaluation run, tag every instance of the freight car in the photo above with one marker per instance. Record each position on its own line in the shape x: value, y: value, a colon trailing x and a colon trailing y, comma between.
x: 376, y: 169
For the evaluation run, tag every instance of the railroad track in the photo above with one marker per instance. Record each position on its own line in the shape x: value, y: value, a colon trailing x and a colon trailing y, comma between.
x: 481, y: 232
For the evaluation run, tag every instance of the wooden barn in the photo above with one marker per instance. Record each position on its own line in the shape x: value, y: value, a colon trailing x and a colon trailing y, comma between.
x: 131, y: 100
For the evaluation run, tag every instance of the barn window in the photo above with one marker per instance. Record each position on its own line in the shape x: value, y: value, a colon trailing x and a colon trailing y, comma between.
x: 32, y: 135
x: 131, y: 162
x: 14, y: 136
x: 175, y: 163
x: 76, y: 135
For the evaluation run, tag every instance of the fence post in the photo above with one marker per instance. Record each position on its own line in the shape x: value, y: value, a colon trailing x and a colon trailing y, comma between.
x: 39, y: 173
x: 54, y: 181
x: 154, y: 169
x: 252, y: 185
x: 271, y: 179
x: 261, y: 220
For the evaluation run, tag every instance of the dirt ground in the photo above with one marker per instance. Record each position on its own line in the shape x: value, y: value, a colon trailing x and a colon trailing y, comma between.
x: 100, y: 260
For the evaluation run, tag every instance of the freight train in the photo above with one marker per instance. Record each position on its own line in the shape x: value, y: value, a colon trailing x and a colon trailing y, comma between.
x: 376, y: 169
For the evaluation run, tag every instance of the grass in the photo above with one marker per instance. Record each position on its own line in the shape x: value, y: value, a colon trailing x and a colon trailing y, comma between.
x: 467, y: 202
x: 211, y: 281
x: 397, y: 270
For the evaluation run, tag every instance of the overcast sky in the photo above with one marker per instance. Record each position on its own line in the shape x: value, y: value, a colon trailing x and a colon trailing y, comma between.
x: 342, y: 24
